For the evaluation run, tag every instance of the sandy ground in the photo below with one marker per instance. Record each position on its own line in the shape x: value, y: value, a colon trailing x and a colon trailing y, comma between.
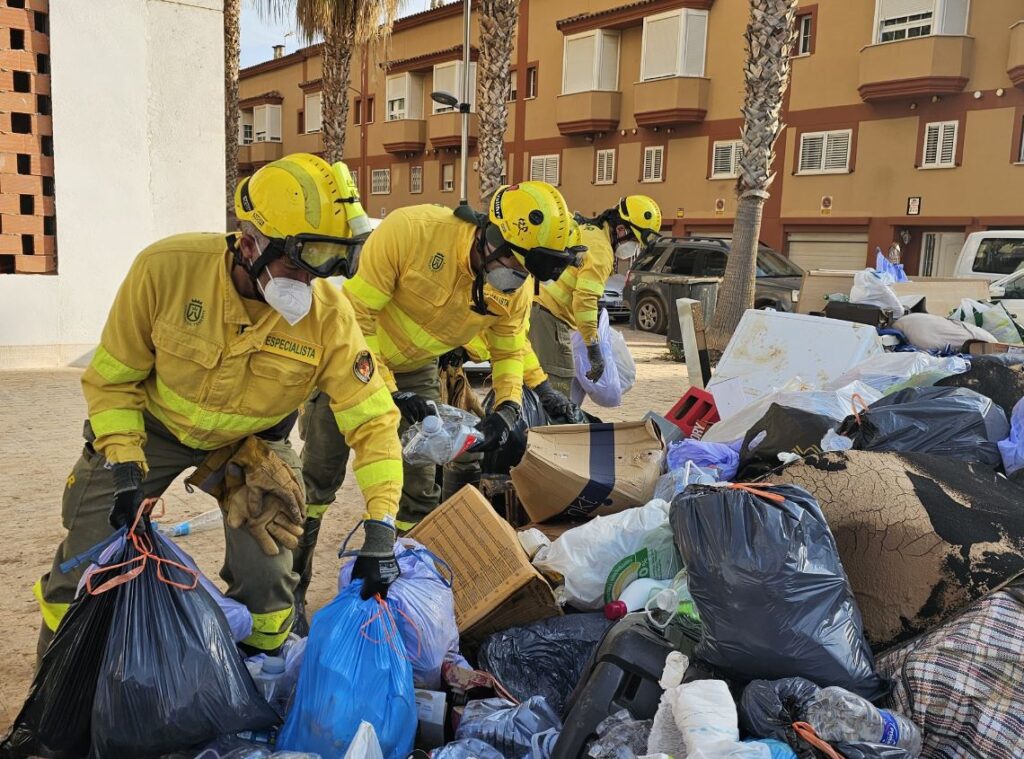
x: 41, y: 415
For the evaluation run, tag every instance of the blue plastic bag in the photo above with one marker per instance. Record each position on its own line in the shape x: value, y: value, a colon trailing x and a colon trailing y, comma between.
x: 884, y: 266
x: 423, y: 606
x: 1012, y: 449
x: 355, y: 669
x: 724, y: 459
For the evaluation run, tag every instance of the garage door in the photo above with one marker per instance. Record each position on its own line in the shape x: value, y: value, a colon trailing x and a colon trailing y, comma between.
x: 724, y: 233
x: 828, y: 250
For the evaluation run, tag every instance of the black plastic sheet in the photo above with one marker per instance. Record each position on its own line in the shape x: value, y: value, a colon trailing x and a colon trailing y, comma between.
x: 781, y: 430
x: 511, y: 453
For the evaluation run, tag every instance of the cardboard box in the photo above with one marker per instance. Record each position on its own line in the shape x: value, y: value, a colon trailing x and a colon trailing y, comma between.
x: 551, y: 530
x: 585, y: 470
x: 495, y: 586
x: 430, y: 714
x: 981, y: 348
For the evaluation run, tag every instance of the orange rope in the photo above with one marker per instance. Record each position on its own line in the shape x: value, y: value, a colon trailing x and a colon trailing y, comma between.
x: 776, y: 497
x: 806, y: 732
x: 853, y: 402
x: 384, y: 610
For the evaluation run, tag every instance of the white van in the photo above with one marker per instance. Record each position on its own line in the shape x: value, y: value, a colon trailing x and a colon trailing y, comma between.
x: 991, y: 255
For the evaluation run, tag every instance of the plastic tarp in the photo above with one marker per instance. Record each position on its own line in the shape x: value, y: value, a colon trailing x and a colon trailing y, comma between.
x: 763, y: 558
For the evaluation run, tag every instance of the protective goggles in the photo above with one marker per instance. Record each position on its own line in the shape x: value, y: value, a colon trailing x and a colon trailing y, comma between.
x: 547, y: 263
x: 320, y: 255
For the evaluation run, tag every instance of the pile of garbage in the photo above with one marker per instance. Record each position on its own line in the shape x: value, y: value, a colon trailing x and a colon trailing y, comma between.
x: 818, y: 555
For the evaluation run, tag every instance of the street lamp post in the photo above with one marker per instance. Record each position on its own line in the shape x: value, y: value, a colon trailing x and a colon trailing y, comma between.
x: 448, y: 99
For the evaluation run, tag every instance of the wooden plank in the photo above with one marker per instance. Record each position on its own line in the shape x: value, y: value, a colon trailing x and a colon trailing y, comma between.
x: 942, y: 294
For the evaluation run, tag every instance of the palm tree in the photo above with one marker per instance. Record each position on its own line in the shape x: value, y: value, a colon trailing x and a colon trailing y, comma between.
x: 232, y: 13
x: 497, y: 25
x: 770, y: 36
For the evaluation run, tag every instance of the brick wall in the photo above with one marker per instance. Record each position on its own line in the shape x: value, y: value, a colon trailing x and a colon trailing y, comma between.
x: 27, y: 220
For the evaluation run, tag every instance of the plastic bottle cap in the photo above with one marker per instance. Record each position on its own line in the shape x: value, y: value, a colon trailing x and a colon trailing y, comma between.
x: 614, y: 610
x: 273, y: 665
x: 431, y: 424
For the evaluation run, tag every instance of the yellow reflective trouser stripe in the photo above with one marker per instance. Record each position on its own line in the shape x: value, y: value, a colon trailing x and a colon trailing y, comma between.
x: 52, y: 612
x: 316, y: 510
x: 116, y: 420
x: 368, y: 475
x: 507, y: 366
x: 115, y: 371
x: 366, y: 293
x: 270, y: 630
x: 508, y: 342
x: 590, y: 285
x: 377, y: 404
x: 206, y: 419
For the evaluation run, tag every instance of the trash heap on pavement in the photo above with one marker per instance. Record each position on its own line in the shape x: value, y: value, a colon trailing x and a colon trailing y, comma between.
x: 818, y: 555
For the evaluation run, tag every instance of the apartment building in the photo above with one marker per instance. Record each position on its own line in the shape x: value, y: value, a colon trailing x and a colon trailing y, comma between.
x: 904, y: 120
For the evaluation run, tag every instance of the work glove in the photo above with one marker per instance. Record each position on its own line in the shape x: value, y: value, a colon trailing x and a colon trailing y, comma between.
x: 555, y: 404
x: 496, y: 426
x: 596, y: 362
x: 453, y: 359
x: 376, y: 565
x: 128, y: 495
x: 412, y: 407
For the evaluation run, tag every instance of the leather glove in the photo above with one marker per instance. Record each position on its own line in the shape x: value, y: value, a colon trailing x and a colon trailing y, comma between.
x: 453, y: 359
x: 496, y: 426
x: 376, y: 565
x: 412, y: 407
x: 555, y: 404
x: 596, y: 362
x: 128, y: 495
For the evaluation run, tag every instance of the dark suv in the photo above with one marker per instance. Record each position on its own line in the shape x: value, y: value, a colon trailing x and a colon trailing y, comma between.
x: 675, y: 260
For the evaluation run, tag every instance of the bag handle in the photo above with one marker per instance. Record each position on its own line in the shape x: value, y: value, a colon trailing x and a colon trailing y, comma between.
x: 805, y: 731
x: 384, y: 612
x: 854, y: 399
x: 774, y: 497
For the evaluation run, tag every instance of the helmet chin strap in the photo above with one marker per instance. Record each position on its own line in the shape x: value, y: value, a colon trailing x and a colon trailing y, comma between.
x: 479, y: 305
x: 254, y: 268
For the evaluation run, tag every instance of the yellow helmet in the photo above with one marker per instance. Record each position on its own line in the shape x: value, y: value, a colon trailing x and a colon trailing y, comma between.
x: 641, y: 214
x: 532, y: 219
x: 300, y: 202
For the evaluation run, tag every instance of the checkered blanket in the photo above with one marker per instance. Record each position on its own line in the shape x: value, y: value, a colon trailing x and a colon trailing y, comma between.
x: 963, y: 683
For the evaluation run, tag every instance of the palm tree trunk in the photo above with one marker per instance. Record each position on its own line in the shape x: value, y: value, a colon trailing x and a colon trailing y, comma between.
x: 770, y: 35
x: 339, y: 41
x: 232, y: 13
x: 497, y: 31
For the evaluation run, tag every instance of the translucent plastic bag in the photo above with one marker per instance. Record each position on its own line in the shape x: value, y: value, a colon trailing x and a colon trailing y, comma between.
x: 1012, y: 448
x: 365, y: 745
x: 515, y: 731
x: 890, y: 372
x: 723, y: 459
x: 607, y: 391
x: 424, y: 607
x: 874, y: 289
x: 991, y: 317
x: 440, y: 438
x: 355, y: 670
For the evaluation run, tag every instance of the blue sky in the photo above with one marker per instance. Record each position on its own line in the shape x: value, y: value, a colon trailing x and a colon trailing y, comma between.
x: 259, y: 34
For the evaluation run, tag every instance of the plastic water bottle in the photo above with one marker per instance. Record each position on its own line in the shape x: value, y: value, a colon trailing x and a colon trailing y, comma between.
x: 838, y: 715
x: 270, y: 682
x: 205, y: 521
x: 436, y: 440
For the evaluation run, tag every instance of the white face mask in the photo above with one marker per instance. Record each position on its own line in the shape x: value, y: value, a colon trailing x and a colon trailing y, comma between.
x: 504, y: 279
x: 289, y: 297
x: 627, y: 249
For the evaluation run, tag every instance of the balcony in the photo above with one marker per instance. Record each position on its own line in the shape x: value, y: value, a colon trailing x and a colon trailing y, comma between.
x: 404, y: 135
x: 310, y: 142
x: 585, y: 113
x: 923, y: 66
x: 259, y: 153
x: 671, y: 101
x: 446, y: 130
x: 1015, y: 66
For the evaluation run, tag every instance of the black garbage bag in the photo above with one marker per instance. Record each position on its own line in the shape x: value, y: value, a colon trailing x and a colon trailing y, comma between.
x: 523, y: 731
x: 765, y: 575
x: 511, y: 453
x: 861, y: 750
x: 943, y: 421
x: 768, y: 709
x: 171, y: 676
x: 999, y: 376
x: 544, y: 658
x: 781, y: 430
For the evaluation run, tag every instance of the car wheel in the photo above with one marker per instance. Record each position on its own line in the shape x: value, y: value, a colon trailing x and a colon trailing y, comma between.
x: 650, y: 315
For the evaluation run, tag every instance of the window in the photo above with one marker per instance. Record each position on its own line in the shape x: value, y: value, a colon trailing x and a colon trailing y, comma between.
x: 314, y: 104
x: 544, y: 168
x: 907, y: 19
x: 683, y: 262
x: 999, y: 255
x: 266, y: 121
x: 825, y: 152
x: 531, y: 82
x: 605, y: 173
x: 590, y: 61
x: 369, y: 110
x: 380, y: 182
x: 504, y: 171
x: 714, y: 263
x: 905, y: 27
x: 357, y: 108
x: 511, y: 90
x: 725, y: 159
x: 674, y: 44
x: 245, y: 132
x: 654, y: 164
x: 416, y: 179
x: 448, y: 78
x: 405, y: 97
x: 940, y: 145
x: 805, y: 32
x: 447, y: 177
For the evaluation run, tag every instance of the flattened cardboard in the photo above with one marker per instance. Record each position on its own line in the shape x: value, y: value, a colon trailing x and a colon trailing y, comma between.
x: 495, y: 584
x: 580, y: 471
x: 981, y: 348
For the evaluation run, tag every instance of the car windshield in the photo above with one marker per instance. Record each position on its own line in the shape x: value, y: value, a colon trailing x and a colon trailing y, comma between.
x: 999, y: 255
x: 771, y: 264
x: 646, y: 260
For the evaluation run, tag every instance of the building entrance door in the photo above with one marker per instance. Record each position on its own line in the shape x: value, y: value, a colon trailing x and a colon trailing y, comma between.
x: 939, y: 251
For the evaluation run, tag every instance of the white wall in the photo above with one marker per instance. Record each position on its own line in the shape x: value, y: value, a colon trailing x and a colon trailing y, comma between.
x: 138, y: 120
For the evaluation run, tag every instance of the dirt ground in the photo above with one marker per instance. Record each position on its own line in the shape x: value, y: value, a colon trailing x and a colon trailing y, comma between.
x: 41, y: 414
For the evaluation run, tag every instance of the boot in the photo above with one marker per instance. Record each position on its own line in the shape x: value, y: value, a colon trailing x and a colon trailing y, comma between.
x: 302, y: 565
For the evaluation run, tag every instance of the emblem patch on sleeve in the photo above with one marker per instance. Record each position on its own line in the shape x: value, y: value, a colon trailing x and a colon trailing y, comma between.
x: 362, y: 367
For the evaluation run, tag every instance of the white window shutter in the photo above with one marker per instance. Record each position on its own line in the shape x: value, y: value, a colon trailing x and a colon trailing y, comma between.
x: 812, y: 151
x: 396, y: 86
x: 947, y: 153
x: 931, y: 144
x: 837, y: 151
x: 659, y: 155
x: 897, y: 8
x: 578, y: 72
x: 445, y: 80
x: 313, y: 115
x: 722, y: 162
x: 648, y: 164
x: 954, y: 17
x: 737, y: 154
x: 259, y: 120
x: 661, y: 46
x: 537, y: 168
x: 551, y: 170
x: 608, y: 73
x: 695, y: 43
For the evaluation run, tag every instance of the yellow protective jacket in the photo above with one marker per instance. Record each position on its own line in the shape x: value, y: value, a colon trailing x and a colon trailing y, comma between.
x: 181, y: 344
x: 413, y: 292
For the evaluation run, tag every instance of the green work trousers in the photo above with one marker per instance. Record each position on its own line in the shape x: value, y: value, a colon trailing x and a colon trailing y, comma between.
x: 264, y: 584
x: 551, y: 339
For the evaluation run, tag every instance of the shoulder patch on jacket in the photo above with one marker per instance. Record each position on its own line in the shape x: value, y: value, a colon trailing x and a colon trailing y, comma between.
x: 363, y: 367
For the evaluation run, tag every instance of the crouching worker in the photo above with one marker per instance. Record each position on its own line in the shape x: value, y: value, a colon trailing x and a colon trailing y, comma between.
x: 211, y: 345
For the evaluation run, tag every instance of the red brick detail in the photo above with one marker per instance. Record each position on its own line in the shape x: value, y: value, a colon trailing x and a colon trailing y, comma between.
x: 19, y: 143
x: 35, y: 264
x: 21, y: 184
x: 19, y: 224
x: 15, y: 18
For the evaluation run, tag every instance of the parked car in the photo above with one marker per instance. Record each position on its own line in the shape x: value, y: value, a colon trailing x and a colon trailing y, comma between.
x: 675, y: 260
x: 613, y: 300
x: 991, y: 255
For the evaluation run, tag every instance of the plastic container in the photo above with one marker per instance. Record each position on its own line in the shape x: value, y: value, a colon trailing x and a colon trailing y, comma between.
x: 271, y: 682
x: 439, y: 438
x: 205, y: 521
x: 840, y: 716
x: 637, y: 593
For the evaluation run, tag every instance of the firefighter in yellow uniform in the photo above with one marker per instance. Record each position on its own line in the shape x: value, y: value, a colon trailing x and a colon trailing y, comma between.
x: 429, y: 280
x: 213, y: 340
x: 570, y: 303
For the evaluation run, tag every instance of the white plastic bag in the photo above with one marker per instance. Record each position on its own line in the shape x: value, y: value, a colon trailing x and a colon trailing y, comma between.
x: 895, y: 371
x: 706, y: 716
x: 365, y: 744
x: 607, y: 391
x: 598, y: 559
x: 623, y: 361
x: 874, y: 289
x: 991, y: 317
